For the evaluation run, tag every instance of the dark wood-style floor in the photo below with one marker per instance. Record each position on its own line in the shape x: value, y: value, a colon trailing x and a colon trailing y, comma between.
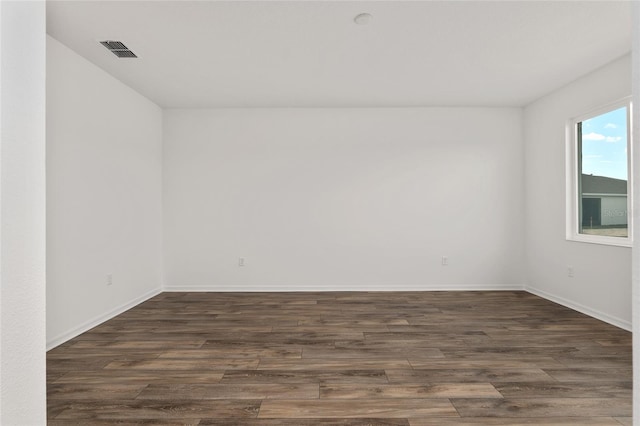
x: 398, y: 358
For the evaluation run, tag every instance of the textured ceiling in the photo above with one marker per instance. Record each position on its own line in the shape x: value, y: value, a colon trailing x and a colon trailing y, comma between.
x: 311, y: 53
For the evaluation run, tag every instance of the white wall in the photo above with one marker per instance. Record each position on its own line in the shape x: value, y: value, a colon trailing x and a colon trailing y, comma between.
x: 104, y: 195
x: 22, y: 213
x: 601, y: 284
x: 635, y: 67
x: 337, y: 199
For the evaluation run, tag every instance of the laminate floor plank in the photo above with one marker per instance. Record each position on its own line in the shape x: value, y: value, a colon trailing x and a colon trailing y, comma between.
x: 83, y: 346
x: 514, y: 421
x: 587, y: 374
x: 263, y: 344
x: 305, y: 376
x: 156, y: 409
x: 344, y: 359
x: 185, y: 364
x: 451, y: 363
x: 543, y: 407
x: 242, y: 353
x: 331, y: 364
x: 226, y: 391
x: 401, y: 345
x: 287, y: 337
x: 139, y: 377
x: 478, y: 375
x: 137, y: 422
x: 307, y: 422
x: 345, y: 322
x: 70, y: 356
x: 593, y: 362
x: 381, y: 328
x: 56, y: 364
x: 315, y: 352
x: 501, y: 352
x: 94, y: 391
x: 445, y: 390
x: 337, y: 408
x: 565, y: 389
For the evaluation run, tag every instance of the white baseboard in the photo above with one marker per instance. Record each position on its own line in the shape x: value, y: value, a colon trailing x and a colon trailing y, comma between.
x: 267, y: 288
x: 618, y: 322
x: 60, y: 339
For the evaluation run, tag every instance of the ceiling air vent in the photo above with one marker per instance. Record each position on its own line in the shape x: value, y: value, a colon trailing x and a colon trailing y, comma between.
x: 119, y: 49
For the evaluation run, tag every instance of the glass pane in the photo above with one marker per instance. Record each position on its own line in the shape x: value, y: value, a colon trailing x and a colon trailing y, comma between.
x: 602, y: 150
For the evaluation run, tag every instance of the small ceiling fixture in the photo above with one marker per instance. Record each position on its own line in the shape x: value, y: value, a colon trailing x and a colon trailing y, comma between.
x: 363, y: 18
x: 118, y: 48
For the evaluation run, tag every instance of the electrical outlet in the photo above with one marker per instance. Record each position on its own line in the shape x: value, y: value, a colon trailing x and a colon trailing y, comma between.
x: 445, y: 261
x: 241, y: 261
x: 570, y: 271
x: 109, y: 279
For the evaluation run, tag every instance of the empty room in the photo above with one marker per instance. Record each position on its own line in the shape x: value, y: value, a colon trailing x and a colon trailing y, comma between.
x: 318, y: 212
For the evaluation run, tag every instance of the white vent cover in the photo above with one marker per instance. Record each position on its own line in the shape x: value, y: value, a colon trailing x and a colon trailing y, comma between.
x: 118, y: 48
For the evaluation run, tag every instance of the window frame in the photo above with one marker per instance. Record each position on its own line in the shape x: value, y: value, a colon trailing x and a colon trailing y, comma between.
x: 573, y: 166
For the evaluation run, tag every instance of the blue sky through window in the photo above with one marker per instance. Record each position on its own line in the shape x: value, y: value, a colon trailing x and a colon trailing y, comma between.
x: 604, y: 144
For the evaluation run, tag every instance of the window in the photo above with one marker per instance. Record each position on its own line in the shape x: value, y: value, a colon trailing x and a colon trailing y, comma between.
x: 599, y: 176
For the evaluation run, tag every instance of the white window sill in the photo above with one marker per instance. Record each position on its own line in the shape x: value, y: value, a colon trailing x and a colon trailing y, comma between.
x: 607, y: 241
